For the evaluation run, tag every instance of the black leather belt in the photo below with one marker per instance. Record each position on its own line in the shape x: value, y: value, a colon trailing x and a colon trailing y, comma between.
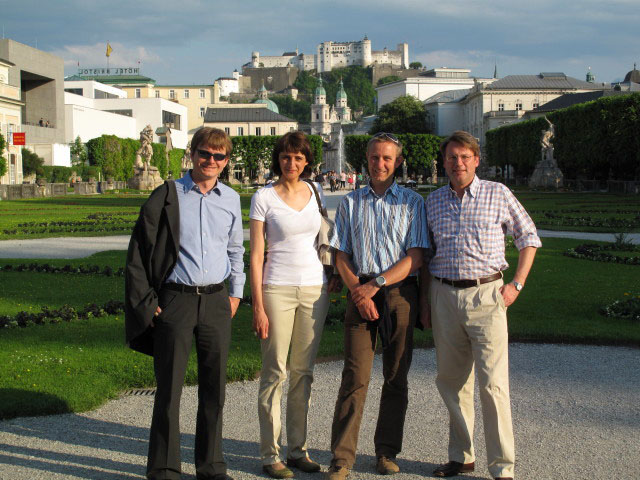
x: 470, y: 283
x: 198, y: 290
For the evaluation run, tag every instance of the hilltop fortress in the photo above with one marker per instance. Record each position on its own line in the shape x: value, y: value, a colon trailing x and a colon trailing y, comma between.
x: 330, y: 55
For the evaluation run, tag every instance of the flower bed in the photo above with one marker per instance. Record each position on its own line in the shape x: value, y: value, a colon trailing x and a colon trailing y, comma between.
x: 65, y: 313
x: 80, y: 269
x: 600, y: 253
x: 628, y: 308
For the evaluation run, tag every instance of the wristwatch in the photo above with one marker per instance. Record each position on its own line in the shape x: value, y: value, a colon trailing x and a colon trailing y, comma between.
x: 381, y: 281
x: 517, y: 285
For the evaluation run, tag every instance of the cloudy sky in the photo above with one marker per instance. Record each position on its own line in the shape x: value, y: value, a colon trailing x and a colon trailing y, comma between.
x: 196, y: 41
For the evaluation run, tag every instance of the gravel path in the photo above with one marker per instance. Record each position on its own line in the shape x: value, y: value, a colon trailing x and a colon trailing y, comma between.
x: 575, y: 408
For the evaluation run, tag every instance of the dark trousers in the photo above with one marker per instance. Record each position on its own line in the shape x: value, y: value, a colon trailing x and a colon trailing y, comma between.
x: 359, y: 347
x: 209, y: 318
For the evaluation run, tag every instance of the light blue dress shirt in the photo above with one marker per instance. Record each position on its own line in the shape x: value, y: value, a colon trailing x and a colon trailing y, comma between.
x: 210, y: 237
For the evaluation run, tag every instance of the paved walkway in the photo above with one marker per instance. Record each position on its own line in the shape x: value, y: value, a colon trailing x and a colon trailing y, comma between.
x: 575, y: 410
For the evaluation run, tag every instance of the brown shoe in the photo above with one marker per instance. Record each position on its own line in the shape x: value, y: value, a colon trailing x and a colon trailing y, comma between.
x: 283, y: 472
x: 337, y: 473
x: 386, y: 466
x: 304, y: 464
x: 452, y: 468
x: 503, y: 478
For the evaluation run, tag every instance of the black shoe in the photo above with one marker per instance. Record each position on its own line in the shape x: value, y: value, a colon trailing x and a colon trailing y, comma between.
x: 452, y: 468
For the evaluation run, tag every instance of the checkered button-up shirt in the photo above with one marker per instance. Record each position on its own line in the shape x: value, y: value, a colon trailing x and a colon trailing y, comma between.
x: 467, y: 235
x: 377, y: 230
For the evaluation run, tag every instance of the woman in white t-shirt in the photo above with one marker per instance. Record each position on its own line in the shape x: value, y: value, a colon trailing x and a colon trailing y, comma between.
x: 290, y: 300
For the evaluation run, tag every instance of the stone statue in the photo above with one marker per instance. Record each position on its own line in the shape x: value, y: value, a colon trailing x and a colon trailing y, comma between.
x: 546, y: 174
x: 547, y: 135
x: 404, y: 171
x: 145, y: 152
x: 186, y: 158
x: 261, y: 172
x: 434, y: 172
x: 146, y: 176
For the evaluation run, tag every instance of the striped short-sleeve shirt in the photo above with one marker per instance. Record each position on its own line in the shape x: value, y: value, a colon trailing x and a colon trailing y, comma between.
x: 467, y: 235
x: 377, y: 230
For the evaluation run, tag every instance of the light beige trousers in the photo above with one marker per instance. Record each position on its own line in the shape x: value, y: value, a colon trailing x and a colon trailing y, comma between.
x: 470, y: 329
x: 296, y: 318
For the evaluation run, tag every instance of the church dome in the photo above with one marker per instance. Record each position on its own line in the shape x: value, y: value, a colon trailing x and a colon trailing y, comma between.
x: 271, y: 105
x: 341, y: 93
x: 633, y: 75
x: 320, y: 88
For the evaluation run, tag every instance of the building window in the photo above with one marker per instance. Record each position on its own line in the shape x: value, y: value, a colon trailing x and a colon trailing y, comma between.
x: 186, y: 93
x: 501, y: 107
x: 536, y: 105
x: 317, y: 116
x: 202, y: 93
x: 291, y: 129
x: 137, y: 94
x: 157, y: 93
x: 273, y: 130
x: 227, y: 130
x: 172, y: 94
x: 202, y: 112
x: 240, y: 131
x: 258, y: 131
x: 518, y: 106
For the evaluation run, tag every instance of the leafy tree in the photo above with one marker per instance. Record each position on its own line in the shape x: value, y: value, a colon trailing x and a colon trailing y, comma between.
x: 299, y: 110
x: 415, y: 65
x: 159, y: 158
x: 306, y: 82
x: 79, y: 154
x: 403, y: 115
x: 3, y: 161
x: 388, y: 79
x: 32, y: 163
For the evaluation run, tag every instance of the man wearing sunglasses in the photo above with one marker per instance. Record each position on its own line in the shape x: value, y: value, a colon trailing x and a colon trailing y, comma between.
x: 379, y: 236
x: 186, y: 243
x: 464, y: 297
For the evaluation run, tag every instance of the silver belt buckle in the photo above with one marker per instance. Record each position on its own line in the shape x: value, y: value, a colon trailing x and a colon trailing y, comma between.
x: 198, y: 292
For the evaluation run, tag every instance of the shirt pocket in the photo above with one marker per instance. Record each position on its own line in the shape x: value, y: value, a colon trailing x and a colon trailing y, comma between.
x: 485, y: 237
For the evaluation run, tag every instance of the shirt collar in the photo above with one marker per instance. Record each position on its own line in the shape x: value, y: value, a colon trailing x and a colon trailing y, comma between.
x: 393, y: 190
x: 189, y: 184
x: 472, y: 189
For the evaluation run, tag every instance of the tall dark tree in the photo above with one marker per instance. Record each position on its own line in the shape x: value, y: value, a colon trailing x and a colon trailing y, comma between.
x: 32, y: 163
x: 403, y: 115
x: 3, y: 161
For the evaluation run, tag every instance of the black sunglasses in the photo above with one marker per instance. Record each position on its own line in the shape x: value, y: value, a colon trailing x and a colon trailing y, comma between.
x: 204, y: 154
x: 387, y: 136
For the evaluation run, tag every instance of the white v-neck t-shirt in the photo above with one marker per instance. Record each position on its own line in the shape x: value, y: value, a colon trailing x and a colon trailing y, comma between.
x: 292, y: 258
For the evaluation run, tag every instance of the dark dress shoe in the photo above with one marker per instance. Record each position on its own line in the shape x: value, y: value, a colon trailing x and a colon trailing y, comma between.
x: 452, y: 468
x: 304, y: 464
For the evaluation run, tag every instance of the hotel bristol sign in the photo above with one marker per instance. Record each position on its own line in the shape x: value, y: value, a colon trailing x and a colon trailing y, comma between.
x: 109, y: 71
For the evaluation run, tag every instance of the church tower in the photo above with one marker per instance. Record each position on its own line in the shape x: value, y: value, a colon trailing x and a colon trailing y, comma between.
x: 320, y: 111
x: 343, y: 112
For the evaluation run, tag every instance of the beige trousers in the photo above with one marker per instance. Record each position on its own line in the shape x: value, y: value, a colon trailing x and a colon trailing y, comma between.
x: 470, y: 329
x: 296, y: 318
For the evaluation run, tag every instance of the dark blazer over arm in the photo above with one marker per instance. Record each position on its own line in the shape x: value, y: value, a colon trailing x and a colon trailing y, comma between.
x: 153, y: 252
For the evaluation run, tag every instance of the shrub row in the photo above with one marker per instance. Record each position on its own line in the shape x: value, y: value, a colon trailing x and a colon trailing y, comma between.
x: 599, y: 253
x: 98, y: 227
x: 587, y: 221
x: 79, y: 269
x: 595, y: 140
x: 628, y: 308
x: 65, y: 313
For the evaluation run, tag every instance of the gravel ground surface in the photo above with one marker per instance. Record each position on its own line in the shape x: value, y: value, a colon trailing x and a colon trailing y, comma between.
x: 575, y: 408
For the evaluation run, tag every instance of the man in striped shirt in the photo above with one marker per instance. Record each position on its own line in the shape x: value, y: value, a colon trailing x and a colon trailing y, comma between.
x: 379, y: 236
x: 468, y: 299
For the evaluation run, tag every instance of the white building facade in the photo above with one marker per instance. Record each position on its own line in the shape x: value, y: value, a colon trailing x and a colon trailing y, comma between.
x: 10, y: 121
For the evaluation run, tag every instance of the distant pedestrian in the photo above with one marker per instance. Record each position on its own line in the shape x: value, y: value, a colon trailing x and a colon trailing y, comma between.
x: 343, y: 180
x: 41, y: 122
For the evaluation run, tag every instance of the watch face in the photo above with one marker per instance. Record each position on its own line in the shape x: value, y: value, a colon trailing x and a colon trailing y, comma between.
x: 380, y: 281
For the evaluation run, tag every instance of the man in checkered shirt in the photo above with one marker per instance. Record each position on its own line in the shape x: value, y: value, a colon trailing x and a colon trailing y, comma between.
x: 465, y: 300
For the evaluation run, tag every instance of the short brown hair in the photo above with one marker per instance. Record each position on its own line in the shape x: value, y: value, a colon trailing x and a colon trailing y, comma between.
x: 293, y: 142
x: 213, y: 138
x: 463, y: 138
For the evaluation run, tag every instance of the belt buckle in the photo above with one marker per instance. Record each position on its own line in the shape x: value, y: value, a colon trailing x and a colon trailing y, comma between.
x: 198, y: 292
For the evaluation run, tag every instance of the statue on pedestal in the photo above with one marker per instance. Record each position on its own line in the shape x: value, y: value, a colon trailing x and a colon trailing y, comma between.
x: 146, y: 176
x: 546, y: 173
x: 186, y: 158
x: 404, y: 171
x: 434, y: 172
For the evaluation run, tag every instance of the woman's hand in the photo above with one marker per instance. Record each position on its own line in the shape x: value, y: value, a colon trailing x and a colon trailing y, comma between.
x: 261, y: 324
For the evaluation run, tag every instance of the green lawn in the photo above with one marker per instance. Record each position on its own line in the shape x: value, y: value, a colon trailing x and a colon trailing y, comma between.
x: 78, y: 366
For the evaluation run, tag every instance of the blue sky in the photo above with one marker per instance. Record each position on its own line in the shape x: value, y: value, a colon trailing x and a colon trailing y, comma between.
x: 195, y: 41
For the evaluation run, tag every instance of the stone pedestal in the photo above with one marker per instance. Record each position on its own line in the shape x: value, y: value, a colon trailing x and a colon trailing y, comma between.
x: 546, y: 174
x: 145, y: 179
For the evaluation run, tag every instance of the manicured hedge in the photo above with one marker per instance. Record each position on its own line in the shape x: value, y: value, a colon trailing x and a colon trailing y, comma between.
x: 419, y: 150
x: 251, y: 149
x: 595, y: 140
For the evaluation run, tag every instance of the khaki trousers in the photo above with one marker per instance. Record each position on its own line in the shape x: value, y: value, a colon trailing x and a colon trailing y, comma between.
x: 470, y: 328
x: 296, y: 318
x: 360, y: 338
